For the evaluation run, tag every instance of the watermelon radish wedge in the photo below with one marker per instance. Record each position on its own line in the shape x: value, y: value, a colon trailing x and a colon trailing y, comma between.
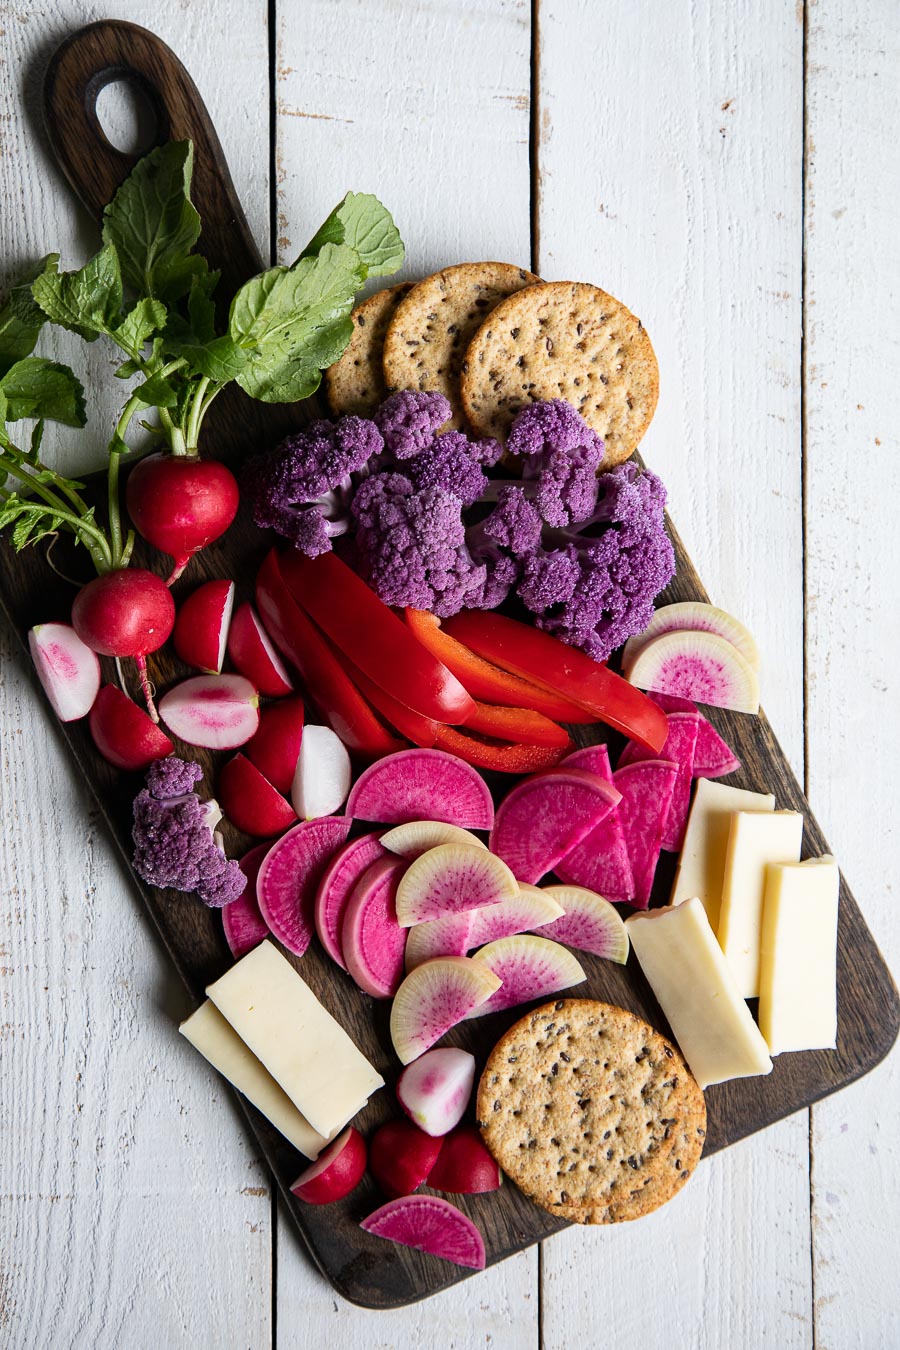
x: 371, y: 938
x: 422, y: 785
x: 600, y: 862
x: 588, y: 923
x: 529, y: 968
x: 451, y: 879
x: 336, y: 886
x: 693, y: 616
x: 697, y: 665
x: 680, y: 748
x: 713, y: 756
x: 542, y: 819
x: 456, y: 934
x: 591, y: 758
x: 429, y: 1224
x: 291, y: 872
x: 435, y: 997
x: 418, y: 836
x: 245, y: 927
x: 646, y: 790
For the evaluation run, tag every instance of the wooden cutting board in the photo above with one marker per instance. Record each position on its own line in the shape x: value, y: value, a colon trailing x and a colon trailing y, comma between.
x: 363, y: 1269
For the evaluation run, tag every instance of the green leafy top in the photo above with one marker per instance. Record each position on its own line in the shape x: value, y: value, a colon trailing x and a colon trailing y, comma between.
x: 153, y: 224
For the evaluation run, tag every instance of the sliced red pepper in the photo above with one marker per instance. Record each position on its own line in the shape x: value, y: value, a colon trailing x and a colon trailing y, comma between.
x: 323, y: 673
x: 486, y: 681
x: 497, y: 755
x: 538, y: 656
x: 522, y: 725
x: 416, y: 728
x: 365, y: 629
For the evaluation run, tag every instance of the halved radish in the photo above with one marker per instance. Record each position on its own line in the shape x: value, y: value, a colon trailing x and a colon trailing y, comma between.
x: 322, y: 776
x: 289, y: 875
x: 433, y: 998
x: 542, y: 818
x: 528, y: 967
x: 588, y: 922
x: 693, y: 616
x: 401, y: 1156
x: 422, y: 785
x: 451, y: 879
x: 371, y: 938
x: 434, y: 1090
x: 336, y: 887
x: 200, y: 635
x: 275, y: 747
x: 219, y: 712
x: 251, y: 650
x: 124, y: 733
x: 336, y: 1172
x: 244, y: 925
x: 646, y: 790
x: 464, y: 1166
x: 67, y: 668
x: 250, y: 802
x: 431, y: 1225
x: 699, y: 666
x: 418, y: 836
x: 680, y: 748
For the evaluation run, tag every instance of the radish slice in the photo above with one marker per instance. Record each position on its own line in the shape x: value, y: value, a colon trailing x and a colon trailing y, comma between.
x: 275, y: 747
x: 528, y: 967
x: 700, y: 666
x: 289, y: 875
x: 451, y: 879
x: 646, y: 794
x: 67, y: 669
x: 433, y: 998
x: 371, y: 938
x: 336, y: 887
x: 591, y: 758
x: 245, y: 927
x: 250, y: 802
x: 219, y: 712
x: 201, y: 627
x: 693, y: 616
x: 422, y: 785
x: 589, y: 923
x: 601, y: 862
x: 680, y: 748
x: 713, y: 756
x: 431, y: 1225
x: 322, y: 777
x: 418, y: 836
x: 456, y: 934
x: 544, y: 817
x: 447, y: 936
x: 251, y: 650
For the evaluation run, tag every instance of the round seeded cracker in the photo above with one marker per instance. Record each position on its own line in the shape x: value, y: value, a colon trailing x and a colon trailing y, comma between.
x: 355, y: 383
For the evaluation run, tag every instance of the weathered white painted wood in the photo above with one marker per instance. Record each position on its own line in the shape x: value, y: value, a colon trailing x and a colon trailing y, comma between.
x: 853, y: 485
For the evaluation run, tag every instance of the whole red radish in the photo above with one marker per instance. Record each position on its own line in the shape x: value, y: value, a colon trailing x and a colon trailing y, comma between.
x: 202, y: 624
x: 464, y: 1166
x: 128, y: 612
x: 123, y: 733
x: 336, y: 1171
x: 401, y: 1157
x: 275, y: 747
x: 252, y: 652
x: 67, y: 669
x: 250, y: 801
x: 180, y: 503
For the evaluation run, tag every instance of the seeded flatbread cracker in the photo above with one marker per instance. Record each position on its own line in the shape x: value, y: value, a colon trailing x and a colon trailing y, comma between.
x: 431, y: 330
x: 592, y: 1113
x: 564, y: 339
x: 355, y: 383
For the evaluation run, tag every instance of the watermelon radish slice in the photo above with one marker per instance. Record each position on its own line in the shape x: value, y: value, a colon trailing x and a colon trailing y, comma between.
x: 693, y: 616
x: 542, y: 819
x: 447, y: 936
x: 646, y: 790
x: 713, y: 757
x: 529, y: 968
x: 680, y: 748
x: 451, y: 879
x: 697, y: 665
x: 673, y: 703
x: 589, y: 923
x: 456, y: 934
x: 371, y: 938
x: 433, y: 998
x: 464, y: 1166
x: 591, y: 758
x: 431, y: 1225
x: 418, y: 836
x: 245, y: 928
x: 434, y: 1090
x: 336, y: 886
x: 422, y: 785
x: 601, y: 862
x: 289, y: 875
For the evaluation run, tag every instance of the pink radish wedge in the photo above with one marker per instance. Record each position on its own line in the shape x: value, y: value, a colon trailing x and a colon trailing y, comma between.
x: 422, y: 785
x: 336, y: 887
x: 464, y: 1166
x: 201, y: 627
x: 219, y: 712
x: 371, y: 938
x: 401, y: 1156
x: 275, y: 747
x: 431, y: 1225
x: 322, y: 776
x: 250, y: 802
x: 588, y: 923
x: 680, y: 748
x: 251, y: 651
x: 67, y: 668
x: 542, y: 818
x: 418, y: 836
x: 447, y: 936
x: 245, y: 928
x: 289, y: 875
x: 713, y: 756
x: 435, y: 997
x: 646, y: 795
x: 700, y: 666
x: 456, y: 934
x: 434, y: 1090
x: 693, y: 616
x: 601, y: 862
x: 336, y: 1172
x: 451, y: 879
x: 528, y: 968
x: 125, y: 735
x: 591, y: 758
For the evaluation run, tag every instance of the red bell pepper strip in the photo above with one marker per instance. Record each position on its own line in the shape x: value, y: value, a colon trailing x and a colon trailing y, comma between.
x: 486, y: 681
x: 522, y: 725
x: 416, y: 728
x: 365, y: 629
x: 323, y: 674
x: 538, y: 656
x: 496, y: 755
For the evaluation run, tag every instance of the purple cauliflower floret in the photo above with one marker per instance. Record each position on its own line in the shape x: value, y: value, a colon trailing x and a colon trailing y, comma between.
x: 487, y: 451
x: 409, y: 420
x: 515, y: 523
x: 448, y: 463
x: 548, y: 578
x: 548, y: 426
x: 174, y: 841
x: 560, y: 456
x: 499, y: 576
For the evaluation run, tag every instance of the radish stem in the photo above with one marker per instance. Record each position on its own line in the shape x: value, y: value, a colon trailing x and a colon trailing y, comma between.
x: 146, y: 686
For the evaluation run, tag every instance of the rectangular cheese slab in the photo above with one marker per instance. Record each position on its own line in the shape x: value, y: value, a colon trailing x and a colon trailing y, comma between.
x: 219, y: 1043
x: 701, y: 866
x: 678, y: 952
x: 798, y: 956
x: 279, y: 1017
x: 754, y: 840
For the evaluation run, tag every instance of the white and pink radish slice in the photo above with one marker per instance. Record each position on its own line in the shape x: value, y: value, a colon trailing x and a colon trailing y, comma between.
x: 275, y: 747
x: 588, y: 923
x: 418, y: 836
x: 542, y: 818
x: 429, y: 1224
x: 693, y: 616
x: 527, y: 967
x: 456, y: 934
x: 200, y: 635
x: 713, y: 756
x: 250, y: 801
x: 336, y: 887
x: 218, y: 712
x: 646, y: 790
x: 244, y: 925
x: 125, y: 735
x: 336, y: 1172
x: 67, y: 668
x: 464, y: 1166
x: 371, y: 938
x: 452, y: 879
x: 322, y: 777
x: 434, y: 1090
x: 700, y: 666
x: 422, y: 785
x: 435, y: 997
x: 447, y: 936
x: 680, y: 748
x: 251, y: 651
x: 290, y: 874
x: 591, y: 758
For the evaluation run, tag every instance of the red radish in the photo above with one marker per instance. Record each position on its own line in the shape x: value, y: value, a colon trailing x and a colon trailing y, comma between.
x: 124, y: 734
x: 542, y: 818
x: 250, y: 802
x: 322, y: 777
x: 646, y: 795
x: 219, y: 712
x: 291, y: 872
x: 433, y: 998
x: 201, y: 627
x: 372, y: 941
x: 418, y: 836
x: 528, y: 968
x: 245, y: 928
x: 588, y: 923
x: 275, y: 747
x: 422, y: 785
x: 251, y: 650
x: 429, y: 1224
x: 129, y: 612
x: 67, y: 669
x: 336, y: 888
x: 401, y: 1156
x: 451, y: 879
x: 464, y: 1166
x: 337, y: 1170
x: 180, y: 503
x: 434, y: 1090
x: 680, y: 748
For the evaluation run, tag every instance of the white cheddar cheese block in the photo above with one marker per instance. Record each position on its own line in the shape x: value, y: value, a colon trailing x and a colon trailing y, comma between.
x: 219, y: 1043
x: 798, y: 956
x: 701, y: 866
x: 678, y: 952
x: 279, y: 1017
x: 754, y: 840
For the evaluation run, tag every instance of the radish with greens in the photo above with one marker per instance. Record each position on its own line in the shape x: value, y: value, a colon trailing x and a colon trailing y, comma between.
x: 588, y: 923
x: 201, y: 627
x: 322, y: 776
x: 435, y: 997
x: 336, y: 888
x: 542, y: 818
x: 434, y: 1090
x: 422, y: 785
x: 180, y: 503
x: 372, y: 941
x: 250, y: 801
x: 125, y: 612
x: 219, y: 712
x: 252, y: 652
x: 401, y: 1156
x: 418, y: 836
x: 700, y: 666
x: 67, y: 669
x: 429, y: 1224
x: 244, y: 925
x: 275, y: 747
x: 125, y: 735
x: 336, y: 1172
x: 451, y: 879
x: 291, y: 872
x: 464, y: 1166
x: 527, y: 967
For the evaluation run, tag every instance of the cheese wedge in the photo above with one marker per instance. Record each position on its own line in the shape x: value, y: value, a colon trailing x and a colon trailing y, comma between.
x: 305, y: 1050
x: 701, y: 866
x: 678, y: 952
x: 798, y: 956
x: 219, y: 1043
x: 754, y: 840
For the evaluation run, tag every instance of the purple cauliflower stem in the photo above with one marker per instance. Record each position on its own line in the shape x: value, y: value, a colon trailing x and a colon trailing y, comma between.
x: 175, y: 844
x: 409, y: 421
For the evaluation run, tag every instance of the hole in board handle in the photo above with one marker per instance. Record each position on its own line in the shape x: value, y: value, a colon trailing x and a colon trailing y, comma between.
x: 128, y: 113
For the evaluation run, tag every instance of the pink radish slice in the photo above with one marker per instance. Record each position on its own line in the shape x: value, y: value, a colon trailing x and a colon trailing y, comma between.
x: 250, y: 802
x: 201, y: 627
x: 291, y: 871
x: 698, y: 665
x: 713, y: 756
x: 433, y: 998
x: 589, y: 924
x: 528, y: 967
x: 251, y: 650
x: 434, y: 1090
x: 431, y: 1225
x: 646, y: 790
x: 693, y: 616
x: 456, y: 934
x: 673, y: 703
x: 245, y: 928
x: 275, y: 747
x: 542, y: 819
x: 67, y: 668
x: 451, y: 879
x: 336, y: 887
x: 680, y: 747
x: 447, y: 936
x: 601, y: 862
x: 219, y: 712
x: 591, y: 758
x: 422, y: 785
x: 371, y: 938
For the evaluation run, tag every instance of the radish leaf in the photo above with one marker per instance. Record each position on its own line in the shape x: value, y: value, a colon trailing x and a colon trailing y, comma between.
x: 365, y: 225
x: 154, y: 225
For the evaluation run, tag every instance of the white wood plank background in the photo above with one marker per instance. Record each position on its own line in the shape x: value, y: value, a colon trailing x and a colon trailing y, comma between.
x: 732, y: 172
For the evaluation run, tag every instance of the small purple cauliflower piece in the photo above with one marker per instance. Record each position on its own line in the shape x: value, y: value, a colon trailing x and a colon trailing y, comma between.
x: 515, y: 522
x: 497, y: 576
x: 172, y: 777
x: 448, y: 463
x: 409, y: 420
x: 548, y: 578
x: 560, y: 456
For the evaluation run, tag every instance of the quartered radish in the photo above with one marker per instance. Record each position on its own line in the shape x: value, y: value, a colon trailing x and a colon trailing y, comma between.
x: 713, y: 756
x: 464, y: 1166
x: 680, y: 748
x: 67, y: 668
x: 433, y: 998
x: 219, y: 712
x: 451, y: 879
x: 125, y: 735
x: 336, y: 887
x: 322, y: 776
x: 250, y: 801
x: 456, y: 934
x: 418, y: 836
x: 646, y: 790
x: 429, y: 1224
x: 336, y: 1172
x: 434, y: 1090
x: 289, y: 875
x: 588, y: 923
x: 700, y: 666
x: 542, y: 818
x: 697, y: 617
x: 251, y: 651
x: 201, y: 627
x: 401, y: 1156
x: 422, y: 785
x: 528, y: 967
x: 275, y: 747
x: 372, y: 941
x: 244, y: 925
